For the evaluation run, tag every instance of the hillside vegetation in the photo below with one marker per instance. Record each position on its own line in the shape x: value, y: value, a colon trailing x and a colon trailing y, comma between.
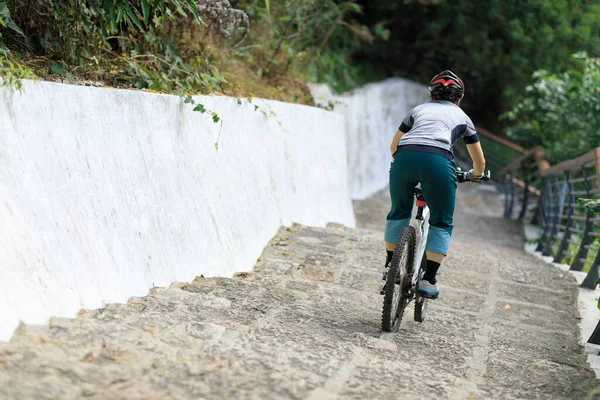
x: 272, y: 48
x: 181, y: 46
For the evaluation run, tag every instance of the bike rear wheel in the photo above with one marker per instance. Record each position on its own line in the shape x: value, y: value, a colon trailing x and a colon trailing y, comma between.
x: 398, y: 282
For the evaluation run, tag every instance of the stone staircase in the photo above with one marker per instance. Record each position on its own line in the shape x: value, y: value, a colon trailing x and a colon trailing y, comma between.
x: 305, y: 324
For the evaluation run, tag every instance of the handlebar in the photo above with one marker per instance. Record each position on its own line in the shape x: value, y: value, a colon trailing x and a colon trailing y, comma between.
x: 463, y: 176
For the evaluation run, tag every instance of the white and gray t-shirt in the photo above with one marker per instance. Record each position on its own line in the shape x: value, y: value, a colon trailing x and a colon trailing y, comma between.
x: 434, y: 126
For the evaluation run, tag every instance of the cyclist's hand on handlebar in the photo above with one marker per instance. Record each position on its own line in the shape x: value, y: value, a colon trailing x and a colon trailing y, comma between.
x: 469, y: 176
x: 472, y: 177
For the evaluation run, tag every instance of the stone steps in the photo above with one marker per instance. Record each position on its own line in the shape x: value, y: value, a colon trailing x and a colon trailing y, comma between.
x: 305, y: 324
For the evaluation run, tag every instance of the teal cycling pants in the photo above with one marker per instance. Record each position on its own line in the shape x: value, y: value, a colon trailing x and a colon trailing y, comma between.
x: 437, y: 175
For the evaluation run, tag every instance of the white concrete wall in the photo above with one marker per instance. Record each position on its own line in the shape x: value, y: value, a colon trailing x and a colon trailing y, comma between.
x: 105, y: 193
x: 373, y: 113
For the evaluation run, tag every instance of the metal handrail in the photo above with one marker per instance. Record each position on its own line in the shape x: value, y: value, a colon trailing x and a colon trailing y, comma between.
x: 561, y: 222
x: 536, y: 154
x: 587, y: 167
x: 568, y: 233
x: 500, y: 140
x: 529, y: 155
x: 592, y: 157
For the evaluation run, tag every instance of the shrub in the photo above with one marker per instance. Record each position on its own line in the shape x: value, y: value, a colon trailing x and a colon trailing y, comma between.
x: 560, y: 111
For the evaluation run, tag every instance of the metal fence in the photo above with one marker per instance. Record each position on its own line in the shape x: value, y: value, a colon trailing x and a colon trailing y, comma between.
x: 547, y: 197
x: 523, y: 184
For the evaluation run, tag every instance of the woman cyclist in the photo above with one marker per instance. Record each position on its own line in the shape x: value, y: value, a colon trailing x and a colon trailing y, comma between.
x: 422, y: 152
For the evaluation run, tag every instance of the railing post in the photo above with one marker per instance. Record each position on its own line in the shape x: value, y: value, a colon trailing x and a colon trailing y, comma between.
x: 511, y: 206
x: 597, y: 155
x: 586, y: 239
x: 540, y: 160
x: 570, y: 198
x: 545, y: 212
x: 542, y: 164
x: 508, y: 183
x: 547, y: 251
x: 525, y: 197
x: 592, y: 276
x: 537, y: 214
x: 595, y: 338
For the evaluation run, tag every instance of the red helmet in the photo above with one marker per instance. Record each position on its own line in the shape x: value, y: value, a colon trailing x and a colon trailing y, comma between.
x: 447, y: 82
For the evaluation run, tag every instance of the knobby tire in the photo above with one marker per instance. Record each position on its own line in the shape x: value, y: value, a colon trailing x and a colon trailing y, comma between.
x: 392, y: 313
x: 421, y: 301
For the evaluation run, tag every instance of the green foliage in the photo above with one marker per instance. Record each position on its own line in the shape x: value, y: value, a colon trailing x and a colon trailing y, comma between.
x: 60, y: 70
x: 590, y: 204
x: 122, y: 42
x: 6, y: 19
x: 317, y: 38
x: 150, y: 44
x: 560, y: 111
x: 201, y: 109
x: 494, y: 45
x: 75, y: 31
x: 11, y: 71
x: 138, y: 43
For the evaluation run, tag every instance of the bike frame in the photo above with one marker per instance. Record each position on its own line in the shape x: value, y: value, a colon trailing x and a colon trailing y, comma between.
x: 420, y: 222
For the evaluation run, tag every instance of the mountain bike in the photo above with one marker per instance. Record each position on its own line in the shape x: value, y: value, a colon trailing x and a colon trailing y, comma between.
x: 402, y: 278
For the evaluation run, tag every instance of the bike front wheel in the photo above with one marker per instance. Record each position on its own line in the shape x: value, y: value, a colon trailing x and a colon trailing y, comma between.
x: 421, y: 301
x: 398, y: 281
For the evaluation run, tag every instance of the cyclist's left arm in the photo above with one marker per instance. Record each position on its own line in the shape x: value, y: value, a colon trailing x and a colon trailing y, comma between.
x: 406, y: 126
x: 395, y: 141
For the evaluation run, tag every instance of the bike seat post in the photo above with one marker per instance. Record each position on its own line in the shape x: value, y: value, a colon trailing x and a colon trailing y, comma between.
x: 419, y: 194
x: 420, y: 204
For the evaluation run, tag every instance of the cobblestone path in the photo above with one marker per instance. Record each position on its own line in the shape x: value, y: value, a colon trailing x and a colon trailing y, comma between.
x: 306, y: 325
